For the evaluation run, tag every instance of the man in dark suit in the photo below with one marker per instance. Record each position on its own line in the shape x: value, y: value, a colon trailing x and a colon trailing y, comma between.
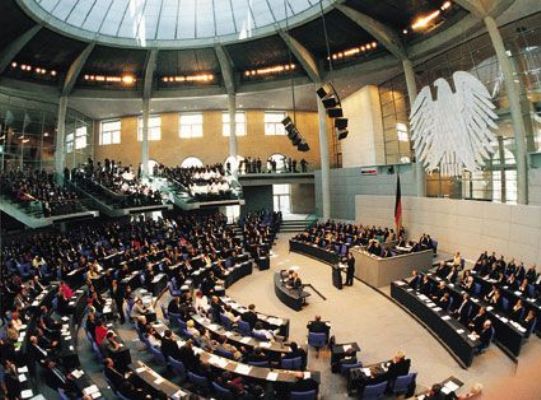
x: 121, y: 382
x: 56, y: 379
x: 169, y: 346
x: 250, y: 316
x: 188, y: 357
x: 400, y: 365
x: 318, y: 326
x: 464, y: 309
x: 350, y: 270
x: 415, y: 281
x: 486, y: 335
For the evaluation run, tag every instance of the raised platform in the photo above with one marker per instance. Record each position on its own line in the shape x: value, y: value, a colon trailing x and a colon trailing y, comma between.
x: 290, y: 297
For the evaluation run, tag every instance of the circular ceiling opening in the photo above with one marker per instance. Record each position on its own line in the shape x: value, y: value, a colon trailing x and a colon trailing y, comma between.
x: 170, y: 23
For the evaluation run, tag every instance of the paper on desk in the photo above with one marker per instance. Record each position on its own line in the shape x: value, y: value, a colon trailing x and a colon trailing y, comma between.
x: 366, y: 371
x: 178, y: 395
x: 346, y: 347
x: 437, y: 309
x: 90, y: 389
x: 159, y: 381
x: 307, y: 374
x: 460, y: 331
x: 243, y: 369
x: 399, y: 283
x: 77, y: 373
x: 446, y: 318
x: 445, y: 390
x: 272, y: 376
x: 22, y: 370
x: 246, y: 339
x: 22, y: 378
x: 265, y: 345
x: 451, y: 386
x: 26, y: 394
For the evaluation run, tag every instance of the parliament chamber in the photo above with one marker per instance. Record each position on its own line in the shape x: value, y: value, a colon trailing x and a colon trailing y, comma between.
x: 278, y: 199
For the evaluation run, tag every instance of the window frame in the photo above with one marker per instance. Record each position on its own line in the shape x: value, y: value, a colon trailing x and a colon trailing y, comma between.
x: 152, y: 137
x: 274, y: 128
x: 226, y: 125
x: 182, y: 127
x: 114, y: 134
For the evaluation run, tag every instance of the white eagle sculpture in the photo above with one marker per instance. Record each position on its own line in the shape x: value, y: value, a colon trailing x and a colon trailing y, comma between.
x: 453, y: 132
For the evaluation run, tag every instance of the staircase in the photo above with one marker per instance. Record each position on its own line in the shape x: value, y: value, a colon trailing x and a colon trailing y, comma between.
x: 297, y: 225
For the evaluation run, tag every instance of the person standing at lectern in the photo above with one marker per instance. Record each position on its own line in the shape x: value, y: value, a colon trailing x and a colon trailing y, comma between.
x: 350, y: 270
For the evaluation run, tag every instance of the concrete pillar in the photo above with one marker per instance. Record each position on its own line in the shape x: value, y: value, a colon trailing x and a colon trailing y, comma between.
x: 513, y: 96
x: 60, y: 151
x: 324, y: 155
x: 144, y: 140
x: 409, y: 73
x: 232, y: 110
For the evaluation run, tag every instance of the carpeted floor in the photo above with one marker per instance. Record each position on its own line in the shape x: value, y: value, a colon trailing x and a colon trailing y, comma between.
x: 381, y: 328
x: 368, y: 317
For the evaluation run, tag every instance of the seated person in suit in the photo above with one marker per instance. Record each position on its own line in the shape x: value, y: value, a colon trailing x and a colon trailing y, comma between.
x: 529, y: 322
x: 304, y: 385
x: 426, y: 286
x: 462, y: 313
x: 56, y: 379
x: 121, y: 381
x: 486, y: 335
x: 250, y: 316
x: 295, y: 352
x: 260, y: 331
x: 438, y: 292
x: 257, y: 355
x: 517, y: 312
x: 476, y: 323
x: 436, y: 393
x: 415, y: 280
x: 169, y: 346
x: 400, y: 365
x: 444, y: 301
x: 37, y: 352
x: 318, y: 326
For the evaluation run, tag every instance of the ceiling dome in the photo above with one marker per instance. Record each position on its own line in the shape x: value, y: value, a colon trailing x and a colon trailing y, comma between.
x: 170, y: 23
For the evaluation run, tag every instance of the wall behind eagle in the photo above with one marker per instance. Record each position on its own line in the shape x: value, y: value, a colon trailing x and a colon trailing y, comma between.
x: 364, y: 144
x: 462, y: 225
x: 346, y: 183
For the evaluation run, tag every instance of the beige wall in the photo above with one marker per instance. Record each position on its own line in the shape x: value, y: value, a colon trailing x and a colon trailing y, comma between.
x: 213, y: 146
x: 470, y: 227
x: 364, y: 145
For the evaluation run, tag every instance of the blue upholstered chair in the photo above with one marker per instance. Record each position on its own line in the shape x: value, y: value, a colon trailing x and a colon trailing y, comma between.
x: 374, y: 392
x: 403, y: 383
x: 307, y: 395
x: 317, y: 340
x: 292, y: 363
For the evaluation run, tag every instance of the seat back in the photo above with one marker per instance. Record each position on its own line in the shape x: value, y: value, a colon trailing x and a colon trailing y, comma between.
x: 260, y: 337
x: 264, y: 364
x: 244, y: 328
x: 403, y: 383
x: 476, y: 289
x: 221, y: 392
x: 178, y: 367
x: 344, y: 368
x: 306, y: 395
x: 292, y: 363
x: 374, y: 391
x: 223, y: 353
x: 198, y: 380
x: 317, y: 339
x: 505, y: 303
x: 157, y: 354
x: 226, y: 322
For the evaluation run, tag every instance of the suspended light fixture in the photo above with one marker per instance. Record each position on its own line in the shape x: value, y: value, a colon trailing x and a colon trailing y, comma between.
x: 289, y: 124
x: 328, y: 94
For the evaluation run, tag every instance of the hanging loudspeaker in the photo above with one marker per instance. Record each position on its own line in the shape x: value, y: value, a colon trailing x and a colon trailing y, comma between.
x: 341, y: 123
x: 335, y: 112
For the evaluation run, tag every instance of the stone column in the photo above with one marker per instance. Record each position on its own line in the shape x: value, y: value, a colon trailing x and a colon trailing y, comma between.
x: 324, y: 155
x: 409, y: 73
x: 144, y: 139
x: 60, y: 151
x: 513, y: 97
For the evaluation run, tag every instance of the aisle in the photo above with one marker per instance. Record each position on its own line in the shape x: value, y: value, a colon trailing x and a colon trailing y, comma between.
x: 361, y: 314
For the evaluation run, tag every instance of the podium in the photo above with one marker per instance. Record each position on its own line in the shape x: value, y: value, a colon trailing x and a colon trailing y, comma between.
x: 337, y: 276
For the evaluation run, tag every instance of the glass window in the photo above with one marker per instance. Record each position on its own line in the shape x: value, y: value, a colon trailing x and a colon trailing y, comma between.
x: 273, y: 123
x: 191, y: 125
x: 70, y: 137
x: 80, y: 138
x: 154, y: 128
x: 402, y: 132
x: 110, y: 132
x: 240, y: 128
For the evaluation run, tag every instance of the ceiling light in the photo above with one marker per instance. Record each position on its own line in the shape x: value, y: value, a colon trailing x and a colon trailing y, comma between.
x: 423, y: 22
x: 128, y: 80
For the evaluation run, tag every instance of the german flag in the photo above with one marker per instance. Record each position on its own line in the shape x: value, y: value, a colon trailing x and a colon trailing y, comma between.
x: 398, y: 206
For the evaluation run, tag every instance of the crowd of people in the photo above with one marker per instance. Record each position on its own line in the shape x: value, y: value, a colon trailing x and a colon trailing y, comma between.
x: 118, y: 183
x: 509, y: 274
x: 189, y: 243
x: 29, y: 187
x: 202, y: 183
x: 254, y: 165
